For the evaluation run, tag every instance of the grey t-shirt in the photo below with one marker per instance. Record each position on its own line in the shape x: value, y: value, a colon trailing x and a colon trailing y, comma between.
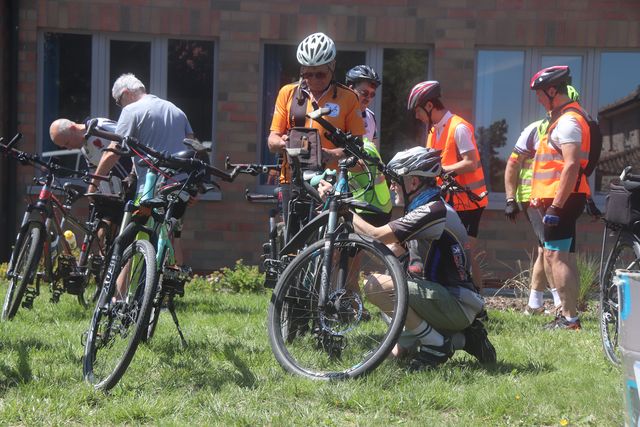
x: 156, y: 123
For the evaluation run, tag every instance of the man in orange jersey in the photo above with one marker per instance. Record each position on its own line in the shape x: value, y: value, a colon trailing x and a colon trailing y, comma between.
x: 316, y: 88
x: 454, y: 136
x: 559, y: 187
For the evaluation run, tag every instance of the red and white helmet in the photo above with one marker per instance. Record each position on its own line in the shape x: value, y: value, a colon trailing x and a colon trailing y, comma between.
x: 423, y: 92
x: 316, y: 49
x: 551, y: 76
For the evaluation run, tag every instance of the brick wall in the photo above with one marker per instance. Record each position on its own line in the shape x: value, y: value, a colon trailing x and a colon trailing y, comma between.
x: 218, y: 233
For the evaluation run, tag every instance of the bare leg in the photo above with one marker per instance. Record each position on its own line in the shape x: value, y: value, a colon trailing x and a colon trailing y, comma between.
x: 564, y: 269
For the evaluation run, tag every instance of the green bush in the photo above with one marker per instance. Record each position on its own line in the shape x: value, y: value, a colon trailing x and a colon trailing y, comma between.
x: 240, y: 278
x: 588, y: 270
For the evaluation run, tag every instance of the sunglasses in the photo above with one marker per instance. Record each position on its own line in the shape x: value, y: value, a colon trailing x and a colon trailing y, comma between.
x: 319, y: 75
x: 119, y: 100
x: 367, y: 94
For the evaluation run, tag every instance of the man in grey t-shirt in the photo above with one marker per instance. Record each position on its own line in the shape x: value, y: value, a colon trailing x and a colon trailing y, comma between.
x: 153, y: 121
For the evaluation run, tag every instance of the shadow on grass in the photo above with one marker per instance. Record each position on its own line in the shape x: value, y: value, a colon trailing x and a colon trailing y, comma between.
x: 21, y: 374
x: 214, y: 307
x: 204, y: 371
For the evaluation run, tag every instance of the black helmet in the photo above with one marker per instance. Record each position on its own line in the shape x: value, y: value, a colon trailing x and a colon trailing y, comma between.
x: 551, y: 76
x: 192, y: 154
x: 360, y: 73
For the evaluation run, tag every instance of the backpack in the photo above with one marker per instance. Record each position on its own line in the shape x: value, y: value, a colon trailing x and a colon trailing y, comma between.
x: 595, y: 137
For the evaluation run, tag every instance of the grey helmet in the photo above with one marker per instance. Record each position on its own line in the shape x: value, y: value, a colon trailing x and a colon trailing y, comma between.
x: 316, y: 49
x: 418, y: 161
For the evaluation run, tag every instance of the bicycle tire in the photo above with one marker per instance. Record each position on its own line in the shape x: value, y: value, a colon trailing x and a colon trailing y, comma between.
x: 625, y: 255
x: 116, y: 319
x: 306, y: 342
x: 24, y: 269
x: 156, y: 305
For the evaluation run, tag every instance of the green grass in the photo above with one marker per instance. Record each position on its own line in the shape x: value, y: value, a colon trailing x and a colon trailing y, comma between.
x: 228, y: 376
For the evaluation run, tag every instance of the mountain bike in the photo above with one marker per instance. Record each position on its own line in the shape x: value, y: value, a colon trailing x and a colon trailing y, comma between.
x: 315, y: 319
x: 41, y: 252
x: 622, y: 231
x: 142, y: 277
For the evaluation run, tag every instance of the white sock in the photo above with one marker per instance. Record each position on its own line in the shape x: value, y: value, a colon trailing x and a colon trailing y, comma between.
x: 571, y: 319
x: 427, y: 335
x: 556, y: 297
x: 536, y: 299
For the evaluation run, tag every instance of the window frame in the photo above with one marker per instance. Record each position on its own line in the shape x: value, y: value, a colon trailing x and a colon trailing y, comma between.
x: 101, y: 86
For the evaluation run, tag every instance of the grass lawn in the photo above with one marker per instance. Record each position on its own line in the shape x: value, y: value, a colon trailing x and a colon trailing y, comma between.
x: 228, y: 376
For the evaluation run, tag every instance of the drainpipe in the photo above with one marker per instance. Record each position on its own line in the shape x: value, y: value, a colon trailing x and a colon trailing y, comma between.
x: 7, y: 229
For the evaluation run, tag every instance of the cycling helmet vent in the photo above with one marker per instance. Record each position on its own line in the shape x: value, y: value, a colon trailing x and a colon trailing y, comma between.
x: 551, y: 76
x: 362, y: 73
x: 423, y: 92
x: 418, y: 161
x: 316, y: 49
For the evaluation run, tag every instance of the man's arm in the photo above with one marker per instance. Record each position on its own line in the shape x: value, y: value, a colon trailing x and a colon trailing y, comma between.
x: 383, y: 234
x: 569, y: 174
x: 277, y: 142
x: 511, y: 174
x: 468, y: 163
x: 107, y: 162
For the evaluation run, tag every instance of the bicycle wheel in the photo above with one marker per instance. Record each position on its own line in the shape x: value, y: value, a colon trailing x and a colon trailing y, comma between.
x: 338, y: 342
x: 116, y: 327
x: 625, y: 255
x: 156, y: 303
x: 24, y: 269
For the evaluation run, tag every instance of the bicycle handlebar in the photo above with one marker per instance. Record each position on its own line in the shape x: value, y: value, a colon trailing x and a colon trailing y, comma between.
x: 249, y: 168
x: 161, y: 159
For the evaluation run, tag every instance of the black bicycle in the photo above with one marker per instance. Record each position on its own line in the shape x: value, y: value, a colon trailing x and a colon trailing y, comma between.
x: 315, y: 320
x: 142, y: 277
x: 41, y: 252
x: 622, y: 231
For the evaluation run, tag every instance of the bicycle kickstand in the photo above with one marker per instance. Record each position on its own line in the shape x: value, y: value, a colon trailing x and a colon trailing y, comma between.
x: 172, y: 309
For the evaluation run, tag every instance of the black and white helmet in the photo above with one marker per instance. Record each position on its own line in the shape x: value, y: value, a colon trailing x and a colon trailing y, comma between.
x: 316, y: 49
x: 419, y: 161
x: 362, y: 73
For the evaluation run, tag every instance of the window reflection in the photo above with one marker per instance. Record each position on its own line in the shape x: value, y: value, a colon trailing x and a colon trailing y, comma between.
x: 498, y: 110
x: 128, y: 57
x: 66, y: 81
x: 618, y: 110
x: 190, y: 83
x: 399, y: 129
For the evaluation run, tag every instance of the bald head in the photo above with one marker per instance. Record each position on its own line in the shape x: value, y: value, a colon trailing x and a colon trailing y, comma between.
x: 66, y: 134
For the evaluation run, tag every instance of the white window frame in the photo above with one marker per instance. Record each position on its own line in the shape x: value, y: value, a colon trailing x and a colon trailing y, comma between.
x: 100, y: 97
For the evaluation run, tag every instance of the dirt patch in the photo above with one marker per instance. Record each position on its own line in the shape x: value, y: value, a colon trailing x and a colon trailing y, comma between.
x: 505, y: 303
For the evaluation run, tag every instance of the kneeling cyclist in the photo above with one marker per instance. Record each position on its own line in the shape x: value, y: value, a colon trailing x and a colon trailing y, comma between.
x: 443, y: 302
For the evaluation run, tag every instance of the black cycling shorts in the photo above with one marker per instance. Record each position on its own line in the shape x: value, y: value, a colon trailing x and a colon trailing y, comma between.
x: 562, y: 237
x: 471, y: 220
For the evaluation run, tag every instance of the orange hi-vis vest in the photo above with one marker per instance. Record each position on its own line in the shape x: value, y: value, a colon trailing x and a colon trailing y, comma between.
x: 548, y: 162
x: 474, y: 181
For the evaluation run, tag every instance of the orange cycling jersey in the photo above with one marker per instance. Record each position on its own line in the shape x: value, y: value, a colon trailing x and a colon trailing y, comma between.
x: 345, y: 114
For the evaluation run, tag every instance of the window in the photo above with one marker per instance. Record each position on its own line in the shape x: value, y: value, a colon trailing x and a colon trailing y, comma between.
x: 618, y: 110
x: 402, y: 69
x: 77, y: 85
x: 66, y: 82
x: 504, y: 104
x: 399, y: 69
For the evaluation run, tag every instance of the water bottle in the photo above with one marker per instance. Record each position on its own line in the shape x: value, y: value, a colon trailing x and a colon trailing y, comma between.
x: 70, y: 237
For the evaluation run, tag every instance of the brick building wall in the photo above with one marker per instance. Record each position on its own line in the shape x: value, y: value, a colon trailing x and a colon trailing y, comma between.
x: 218, y: 233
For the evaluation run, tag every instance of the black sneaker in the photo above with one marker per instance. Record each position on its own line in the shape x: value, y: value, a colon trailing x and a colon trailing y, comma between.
x: 477, y: 344
x: 431, y: 356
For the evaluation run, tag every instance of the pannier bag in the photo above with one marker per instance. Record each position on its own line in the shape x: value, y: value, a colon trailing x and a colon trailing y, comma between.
x: 623, y: 203
x: 305, y: 144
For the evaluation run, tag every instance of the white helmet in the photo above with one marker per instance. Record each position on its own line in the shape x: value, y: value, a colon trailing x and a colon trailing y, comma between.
x: 418, y: 161
x: 316, y: 49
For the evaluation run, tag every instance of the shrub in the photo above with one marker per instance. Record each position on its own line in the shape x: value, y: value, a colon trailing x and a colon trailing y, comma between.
x: 240, y: 278
x: 588, y: 271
